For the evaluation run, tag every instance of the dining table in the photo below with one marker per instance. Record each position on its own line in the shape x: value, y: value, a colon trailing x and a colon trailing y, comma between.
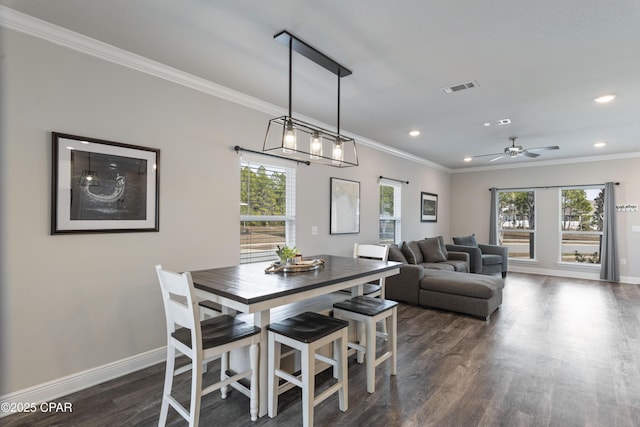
x: 249, y: 288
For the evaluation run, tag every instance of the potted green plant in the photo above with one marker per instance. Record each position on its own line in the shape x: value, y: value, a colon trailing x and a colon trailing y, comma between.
x: 286, y: 254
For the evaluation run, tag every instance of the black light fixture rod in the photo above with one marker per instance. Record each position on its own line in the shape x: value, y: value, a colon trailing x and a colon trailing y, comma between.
x: 237, y: 149
x: 338, y: 123
x: 311, y: 53
x: 393, y: 179
x: 290, y: 73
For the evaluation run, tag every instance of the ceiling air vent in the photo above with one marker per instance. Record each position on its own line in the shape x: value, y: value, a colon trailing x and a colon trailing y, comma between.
x: 460, y: 86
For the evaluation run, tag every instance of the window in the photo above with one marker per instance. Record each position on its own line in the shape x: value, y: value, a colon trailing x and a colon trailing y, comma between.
x: 581, y: 219
x: 390, y: 203
x: 267, y: 211
x: 516, y: 223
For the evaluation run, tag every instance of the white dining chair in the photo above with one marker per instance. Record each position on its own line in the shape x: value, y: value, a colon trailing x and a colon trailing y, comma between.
x: 378, y: 252
x: 201, y: 342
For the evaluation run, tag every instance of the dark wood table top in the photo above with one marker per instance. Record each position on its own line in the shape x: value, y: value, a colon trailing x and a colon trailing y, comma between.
x: 249, y: 284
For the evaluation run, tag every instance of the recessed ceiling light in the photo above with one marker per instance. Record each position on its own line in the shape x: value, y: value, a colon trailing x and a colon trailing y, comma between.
x: 468, y: 159
x: 414, y: 133
x: 599, y: 144
x: 605, y: 98
x: 487, y: 124
x: 502, y: 122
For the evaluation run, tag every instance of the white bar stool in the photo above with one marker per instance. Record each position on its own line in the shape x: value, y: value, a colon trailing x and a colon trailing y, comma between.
x: 202, y: 341
x: 368, y: 311
x: 307, y: 332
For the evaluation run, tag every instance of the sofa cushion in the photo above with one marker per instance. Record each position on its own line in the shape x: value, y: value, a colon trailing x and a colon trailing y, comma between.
x: 412, y: 252
x: 466, y: 240
x: 395, y: 254
x: 438, y: 266
x: 457, y: 265
x: 471, y: 285
x: 431, y: 250
x: 443, y: 247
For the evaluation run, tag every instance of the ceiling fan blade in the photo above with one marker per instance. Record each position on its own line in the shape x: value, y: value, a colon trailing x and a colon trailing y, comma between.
x: 497, y: 158
x: 528, y: 154
x: 551, y: 147
x: 487, y: 155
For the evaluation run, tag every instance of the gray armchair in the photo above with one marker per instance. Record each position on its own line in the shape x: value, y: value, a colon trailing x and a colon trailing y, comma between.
x: 483, y: 258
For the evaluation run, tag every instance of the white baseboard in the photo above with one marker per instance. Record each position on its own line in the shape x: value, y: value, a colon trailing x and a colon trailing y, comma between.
x: 60, y: 387
x: 573, y: 274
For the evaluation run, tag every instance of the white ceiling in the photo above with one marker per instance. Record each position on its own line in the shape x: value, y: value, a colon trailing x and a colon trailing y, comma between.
x: 538, y: 63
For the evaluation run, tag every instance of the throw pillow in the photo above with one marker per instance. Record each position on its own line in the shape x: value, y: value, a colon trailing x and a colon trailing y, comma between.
x: 412, y: 252
x: 395, y: 254
x: 430, y: 248
x: 443, y: 247
x: 466, y: 240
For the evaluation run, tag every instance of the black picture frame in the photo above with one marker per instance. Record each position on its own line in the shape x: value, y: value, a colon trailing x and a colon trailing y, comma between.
x: 428, y: 207
x: 344, y: 207
x: 103, y: 186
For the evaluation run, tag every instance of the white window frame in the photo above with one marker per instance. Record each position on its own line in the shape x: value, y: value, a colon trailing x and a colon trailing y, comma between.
x: 290, y: 206
x: 397, y: 210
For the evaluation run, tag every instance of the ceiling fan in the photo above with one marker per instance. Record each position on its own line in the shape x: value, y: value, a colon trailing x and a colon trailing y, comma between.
x: 517, y: 150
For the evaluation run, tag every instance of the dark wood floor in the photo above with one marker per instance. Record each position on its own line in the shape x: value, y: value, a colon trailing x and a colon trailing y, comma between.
x: 560, y: 352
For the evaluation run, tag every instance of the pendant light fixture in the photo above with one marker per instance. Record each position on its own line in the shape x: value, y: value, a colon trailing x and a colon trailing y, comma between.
x: 301, y: 141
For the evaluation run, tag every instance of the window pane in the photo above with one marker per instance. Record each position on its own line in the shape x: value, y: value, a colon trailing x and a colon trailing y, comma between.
x: 582, y: 209
x: 259, y: 240
x: 582, y: 248
x: 387, y: 231
x: 262, y: 191
x: 520, y: 243
x: 386, y: 201
x: 517, y: 210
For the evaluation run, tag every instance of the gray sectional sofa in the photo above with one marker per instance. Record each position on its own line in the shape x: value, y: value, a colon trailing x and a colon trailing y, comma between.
x: 445, y: 284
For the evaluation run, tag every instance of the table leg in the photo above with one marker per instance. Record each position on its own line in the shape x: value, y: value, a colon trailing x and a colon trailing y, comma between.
x: 262, y: 319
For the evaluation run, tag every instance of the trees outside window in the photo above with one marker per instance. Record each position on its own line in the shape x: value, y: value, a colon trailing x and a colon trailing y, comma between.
x: 267, y: 211
x: 581, y: 220
x: 390, y: 213
x: 516, y: 222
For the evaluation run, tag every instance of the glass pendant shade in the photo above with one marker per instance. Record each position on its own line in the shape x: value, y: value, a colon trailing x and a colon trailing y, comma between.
x: 289, y: 140
x: 338, y: 152
x: 316, y: 146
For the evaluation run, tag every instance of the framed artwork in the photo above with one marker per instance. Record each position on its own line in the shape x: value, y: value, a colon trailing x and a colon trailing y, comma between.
x: 103, y: 187
x: 428, y: 207
x: 345, y: 206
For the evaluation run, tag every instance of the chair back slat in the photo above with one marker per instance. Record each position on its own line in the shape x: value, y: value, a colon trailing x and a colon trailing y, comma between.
x: 179, y: 302
x: 380, y: 252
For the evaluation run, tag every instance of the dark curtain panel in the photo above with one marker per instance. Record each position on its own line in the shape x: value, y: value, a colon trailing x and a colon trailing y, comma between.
x: 609, y: 253
x: 493, y: 218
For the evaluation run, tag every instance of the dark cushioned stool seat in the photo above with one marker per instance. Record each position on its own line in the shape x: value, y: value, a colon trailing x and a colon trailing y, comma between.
x: 218, y: 331
x: 308, y: 327
x: 366, y: 305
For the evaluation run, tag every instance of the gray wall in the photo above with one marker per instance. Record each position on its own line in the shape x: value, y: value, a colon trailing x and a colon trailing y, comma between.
x: 471, y: 190
x: 75, y: 302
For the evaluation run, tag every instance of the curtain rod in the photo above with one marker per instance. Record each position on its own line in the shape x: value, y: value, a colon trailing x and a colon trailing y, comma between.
x: 392, y: 179
x: 552, y: 186
x: 237, y: 148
